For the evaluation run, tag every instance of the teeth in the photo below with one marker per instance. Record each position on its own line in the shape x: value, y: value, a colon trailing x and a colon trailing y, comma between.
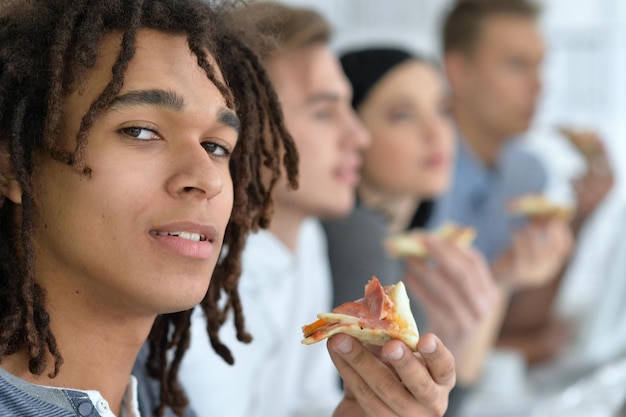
x: 191, y: 236
x: 196, y: 237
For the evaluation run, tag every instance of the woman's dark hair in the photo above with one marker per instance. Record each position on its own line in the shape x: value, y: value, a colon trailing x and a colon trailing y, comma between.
x: 46, y: 48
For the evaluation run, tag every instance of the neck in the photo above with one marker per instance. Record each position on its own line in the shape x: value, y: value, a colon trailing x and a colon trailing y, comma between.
x: 398, y: 209
x: 484, y: 142
x: 98, y: 350
x: 285, y: 225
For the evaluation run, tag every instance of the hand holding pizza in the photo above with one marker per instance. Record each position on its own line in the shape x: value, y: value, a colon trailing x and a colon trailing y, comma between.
x: 397, y: 382
x: 455, y: 288
x: 598, y: 178
x: 537, y: 253
x: 407, y: 376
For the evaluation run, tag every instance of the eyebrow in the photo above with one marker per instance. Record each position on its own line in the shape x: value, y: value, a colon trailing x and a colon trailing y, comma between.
x: 158, y: 98
x: 169, y: 100
x: 229, y: 118
x: 322, y: 97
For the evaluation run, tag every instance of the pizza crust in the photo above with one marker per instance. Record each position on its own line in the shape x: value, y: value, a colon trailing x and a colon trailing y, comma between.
x: 537, y: 205
x: 397, y: 323
x: 411, y: 243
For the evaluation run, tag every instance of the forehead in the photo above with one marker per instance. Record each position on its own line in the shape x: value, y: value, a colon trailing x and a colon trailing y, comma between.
x: 161, y: 60
x: 509, y: 33
x: 412, y: 79
x: 302, y: 73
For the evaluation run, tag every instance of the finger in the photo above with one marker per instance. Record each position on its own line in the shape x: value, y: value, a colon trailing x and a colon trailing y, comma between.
x: 439, y: 360
x: 416, y: 374
x: 556, y: 239
x: 457, y: 269
x: 440, y: 320
x: 374, y: 385
x: 351, y: 359
x: 442, y: 293
x: 521, y: 245
x: 489, y: 290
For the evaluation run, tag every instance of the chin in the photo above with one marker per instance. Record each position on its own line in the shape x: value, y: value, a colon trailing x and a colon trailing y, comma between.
x: 519, y: 128
x: 338, y: 210
x: 185, y: 297
x: 176, y: 306
x: 435, y: 188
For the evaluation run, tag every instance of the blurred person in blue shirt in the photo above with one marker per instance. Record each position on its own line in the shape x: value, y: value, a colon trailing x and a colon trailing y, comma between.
x: 493, y: 52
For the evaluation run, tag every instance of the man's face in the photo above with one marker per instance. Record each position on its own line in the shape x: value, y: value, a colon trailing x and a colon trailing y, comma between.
x: 315, y: 97
x: 143, y: 232
x: 503, y: 74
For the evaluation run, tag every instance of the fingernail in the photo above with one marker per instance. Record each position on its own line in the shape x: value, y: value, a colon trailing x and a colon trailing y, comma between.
x: 429, y: 347
x: 345, y: 345
x: 395, y: 354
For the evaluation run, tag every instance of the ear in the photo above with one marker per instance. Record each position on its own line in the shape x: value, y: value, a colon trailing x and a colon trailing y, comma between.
x: 456, y: 66
x: 9, y: 185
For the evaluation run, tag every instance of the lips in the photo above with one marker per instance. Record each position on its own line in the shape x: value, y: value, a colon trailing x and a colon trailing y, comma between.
x: 349, y: 172
x: 196, y: 237
x: 187, y: 239
x: 437, y: 161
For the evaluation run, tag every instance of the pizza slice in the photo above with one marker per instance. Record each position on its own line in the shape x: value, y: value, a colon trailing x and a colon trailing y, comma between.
x: 537, y: 205
x: 586, y: 142
x: 412, y: 243
x: 382, y: 314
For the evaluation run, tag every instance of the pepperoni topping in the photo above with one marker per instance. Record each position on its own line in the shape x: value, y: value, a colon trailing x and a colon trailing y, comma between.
x: 370, y: 312
x: 374, y: 306
x: 375, y: 298
x: 354, y: 309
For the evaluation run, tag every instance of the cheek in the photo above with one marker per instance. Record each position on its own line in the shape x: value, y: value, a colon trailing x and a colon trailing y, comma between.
x: 392, y: 159
x: 227, y: 201
x: 319, y: 151
x: 509, y: 91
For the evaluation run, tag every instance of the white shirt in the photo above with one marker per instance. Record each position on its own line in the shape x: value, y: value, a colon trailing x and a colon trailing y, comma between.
x: 275, y: 375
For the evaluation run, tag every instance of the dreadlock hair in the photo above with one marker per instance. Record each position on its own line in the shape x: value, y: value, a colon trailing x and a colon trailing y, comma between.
x: 46, y: 48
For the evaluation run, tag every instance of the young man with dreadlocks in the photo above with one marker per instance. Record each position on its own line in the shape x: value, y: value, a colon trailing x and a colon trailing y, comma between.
x: 136, y: 138
x: 129, y: 154
x: 285, y: 272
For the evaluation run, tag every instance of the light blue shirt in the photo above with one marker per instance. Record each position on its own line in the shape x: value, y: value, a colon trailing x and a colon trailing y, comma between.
x: 479, y: 195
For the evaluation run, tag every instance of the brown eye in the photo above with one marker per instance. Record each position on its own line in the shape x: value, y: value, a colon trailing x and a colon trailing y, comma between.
x: 140, y: 133
x: 400, y: 115
x: 214, y: 149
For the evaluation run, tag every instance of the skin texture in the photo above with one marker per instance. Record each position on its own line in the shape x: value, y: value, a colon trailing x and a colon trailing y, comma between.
x: 412, y: 147
x: 412, y: 384
x: 155, y: 167
x: 496, y: 87
x: 315, y: 97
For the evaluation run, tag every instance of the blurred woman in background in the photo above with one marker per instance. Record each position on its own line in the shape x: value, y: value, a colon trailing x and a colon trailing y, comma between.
x: 401, y: 100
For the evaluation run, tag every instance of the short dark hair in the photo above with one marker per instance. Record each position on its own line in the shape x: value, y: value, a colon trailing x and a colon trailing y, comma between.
x: 463, y: 23
x: 46, y: 48
x: 277, y: 28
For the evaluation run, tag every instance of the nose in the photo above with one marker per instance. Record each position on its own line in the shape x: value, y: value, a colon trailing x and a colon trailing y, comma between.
x: 538, y: 85
x: 356, y: 135
x: 430, y: 128
x: 194, y: 173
